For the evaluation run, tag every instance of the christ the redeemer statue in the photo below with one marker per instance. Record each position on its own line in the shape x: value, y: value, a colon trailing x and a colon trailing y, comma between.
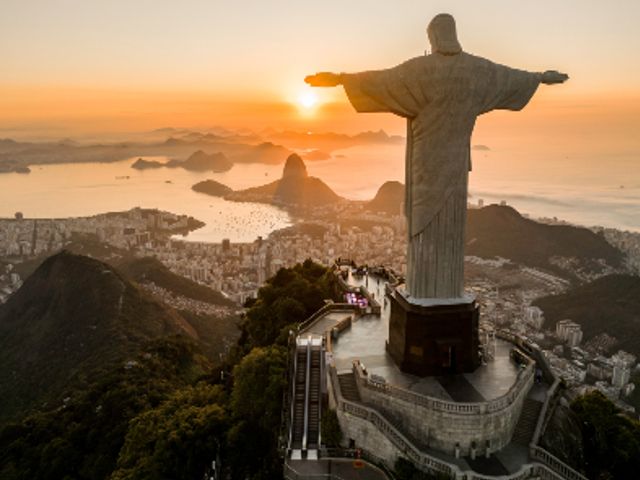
x: 440, y: 95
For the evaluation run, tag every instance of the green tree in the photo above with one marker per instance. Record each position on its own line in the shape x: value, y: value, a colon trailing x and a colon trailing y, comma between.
x: 82, y: 439
x: 330, y: 428
x: 176, y: 440
x: 256, y: 403
x: 611, y: 440
x: 289, y: 297
x: 259, y: 381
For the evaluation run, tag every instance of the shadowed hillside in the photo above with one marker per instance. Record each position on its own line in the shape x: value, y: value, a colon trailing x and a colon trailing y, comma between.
x: 388, y: 199
x: 72, y: 316
x: 149, y: 269
x: 609, y: 304
x: 501, y: 231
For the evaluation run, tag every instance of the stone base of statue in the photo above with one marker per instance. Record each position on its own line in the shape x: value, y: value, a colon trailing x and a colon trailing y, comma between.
x: 433, y: 336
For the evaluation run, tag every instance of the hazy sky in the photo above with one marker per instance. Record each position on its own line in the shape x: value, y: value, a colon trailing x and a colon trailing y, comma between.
x: 122, y: 64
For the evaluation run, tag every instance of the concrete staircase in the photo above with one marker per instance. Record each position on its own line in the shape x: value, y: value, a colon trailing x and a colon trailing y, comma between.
x: 523, y: 433
x: 350, y: 392
x: 348, y: 387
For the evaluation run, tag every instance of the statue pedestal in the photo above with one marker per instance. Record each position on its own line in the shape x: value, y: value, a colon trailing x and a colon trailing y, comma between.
x: 433, y: 336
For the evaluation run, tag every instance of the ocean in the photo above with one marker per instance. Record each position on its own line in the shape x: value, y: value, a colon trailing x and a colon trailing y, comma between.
x: 582, y: 190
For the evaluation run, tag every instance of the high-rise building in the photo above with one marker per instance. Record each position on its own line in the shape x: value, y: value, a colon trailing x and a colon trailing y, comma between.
x: 534, y: 317
x: 569, y: 331
x: 621, y: 374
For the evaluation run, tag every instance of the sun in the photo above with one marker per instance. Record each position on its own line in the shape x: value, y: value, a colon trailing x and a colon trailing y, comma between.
x: 308, y: 100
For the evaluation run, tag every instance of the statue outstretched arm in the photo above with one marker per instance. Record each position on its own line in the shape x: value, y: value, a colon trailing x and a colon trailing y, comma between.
x: 551, y: 77
x: 324, y: 79
x: 388, y: 90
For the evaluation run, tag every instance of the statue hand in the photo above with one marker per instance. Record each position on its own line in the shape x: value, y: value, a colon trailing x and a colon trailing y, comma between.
x: 551, y: 77
x: 323, y: 79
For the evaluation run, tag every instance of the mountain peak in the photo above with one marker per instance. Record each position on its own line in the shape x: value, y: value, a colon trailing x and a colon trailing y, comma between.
x: 294, y: 167
x: 73, y: 315
x: 389, y: 198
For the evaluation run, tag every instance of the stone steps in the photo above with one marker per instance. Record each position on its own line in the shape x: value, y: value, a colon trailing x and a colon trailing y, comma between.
x: 348, y: 387
x: 350, y: 392
x: 523, y: 433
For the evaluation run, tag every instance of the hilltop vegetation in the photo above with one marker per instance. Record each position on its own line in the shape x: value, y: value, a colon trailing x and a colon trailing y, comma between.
x: 609, y: 304
x: 593, y: 436
x: 611, y: 440
x: 159, y: 408
x: 72, y: 316
x: 82, y: 437
x: 149, y: 269
x: 288, y: 298
x: 501, y: 231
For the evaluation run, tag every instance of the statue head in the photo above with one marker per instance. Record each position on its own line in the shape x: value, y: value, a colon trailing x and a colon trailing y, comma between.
x: 442, y: 35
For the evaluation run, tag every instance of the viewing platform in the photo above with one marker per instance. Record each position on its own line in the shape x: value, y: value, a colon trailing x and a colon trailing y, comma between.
x: 479, y: 425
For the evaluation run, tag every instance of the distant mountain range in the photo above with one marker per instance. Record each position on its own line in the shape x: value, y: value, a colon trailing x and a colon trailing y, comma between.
x: 17, y: 156
x: 331, y: 140
x: 270, y: 147
x: 197, y: 162
x: 264, y: 152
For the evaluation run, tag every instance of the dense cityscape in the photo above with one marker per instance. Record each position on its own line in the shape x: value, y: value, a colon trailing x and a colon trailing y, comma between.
x: 239, y: 269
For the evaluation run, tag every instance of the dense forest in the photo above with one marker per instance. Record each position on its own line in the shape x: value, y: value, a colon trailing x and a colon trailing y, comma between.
x: 169, y: 412
x: 610, y: 439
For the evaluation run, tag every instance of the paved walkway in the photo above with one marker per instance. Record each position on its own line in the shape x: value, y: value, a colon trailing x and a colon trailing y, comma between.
x: 328, y: 321
x: 459, y: 389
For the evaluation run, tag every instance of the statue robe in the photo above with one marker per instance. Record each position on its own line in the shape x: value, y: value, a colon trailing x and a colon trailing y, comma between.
x: 441, y: 96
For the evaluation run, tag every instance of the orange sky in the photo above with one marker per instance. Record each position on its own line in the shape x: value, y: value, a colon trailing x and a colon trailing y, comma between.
x: 73, y: 68
x: 552, y: 121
